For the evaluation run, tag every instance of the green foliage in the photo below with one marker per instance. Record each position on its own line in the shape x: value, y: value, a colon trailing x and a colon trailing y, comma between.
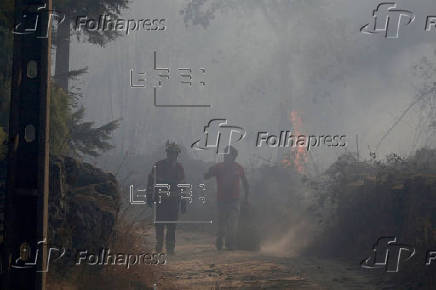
x: 88, y: 140
x: 203, y: 12
x: 364, y: 200
x: 60, y: 116
x: 69, y: 134
x: 92, y: 9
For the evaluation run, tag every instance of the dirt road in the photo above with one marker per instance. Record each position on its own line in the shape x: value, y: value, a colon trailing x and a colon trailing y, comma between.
x: 198, y: 265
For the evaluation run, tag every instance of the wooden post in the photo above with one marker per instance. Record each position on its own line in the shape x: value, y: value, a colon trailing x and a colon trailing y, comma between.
x: 27, y: 184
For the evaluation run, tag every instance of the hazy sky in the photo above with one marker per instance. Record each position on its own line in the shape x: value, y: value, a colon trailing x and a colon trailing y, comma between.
x: 261, y: 64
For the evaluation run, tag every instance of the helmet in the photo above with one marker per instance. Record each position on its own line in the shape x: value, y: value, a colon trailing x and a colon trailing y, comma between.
x: 172, y: 147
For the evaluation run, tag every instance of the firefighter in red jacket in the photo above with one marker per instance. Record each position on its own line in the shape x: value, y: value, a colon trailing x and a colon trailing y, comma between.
x: 229, y: 174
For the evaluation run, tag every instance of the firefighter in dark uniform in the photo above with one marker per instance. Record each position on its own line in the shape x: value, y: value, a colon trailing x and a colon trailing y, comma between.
x: 163, y: 180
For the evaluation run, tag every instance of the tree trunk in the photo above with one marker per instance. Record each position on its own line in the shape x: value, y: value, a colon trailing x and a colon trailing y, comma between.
x: 285, y: 91
x: 63, y: 54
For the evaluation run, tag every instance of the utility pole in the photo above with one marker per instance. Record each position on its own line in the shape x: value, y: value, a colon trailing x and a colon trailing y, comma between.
x: 23, y: 259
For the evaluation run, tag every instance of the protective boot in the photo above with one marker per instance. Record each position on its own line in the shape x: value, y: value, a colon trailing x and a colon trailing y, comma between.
x: 219, y: 243
x: 159, y: 237
x: 170, y: 241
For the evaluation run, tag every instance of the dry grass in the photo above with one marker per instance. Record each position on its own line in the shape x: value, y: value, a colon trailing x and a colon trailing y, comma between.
x: 129, y: 238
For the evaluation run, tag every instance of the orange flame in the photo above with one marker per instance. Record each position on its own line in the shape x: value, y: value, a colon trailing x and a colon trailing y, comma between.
x: 300, y: 156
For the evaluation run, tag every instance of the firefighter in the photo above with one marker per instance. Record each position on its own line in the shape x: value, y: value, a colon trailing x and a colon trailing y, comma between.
x: 163, y: 179
x: 229, y: 175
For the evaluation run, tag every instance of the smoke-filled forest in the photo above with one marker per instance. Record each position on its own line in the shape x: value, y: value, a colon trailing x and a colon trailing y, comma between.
x: 217, y: 144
